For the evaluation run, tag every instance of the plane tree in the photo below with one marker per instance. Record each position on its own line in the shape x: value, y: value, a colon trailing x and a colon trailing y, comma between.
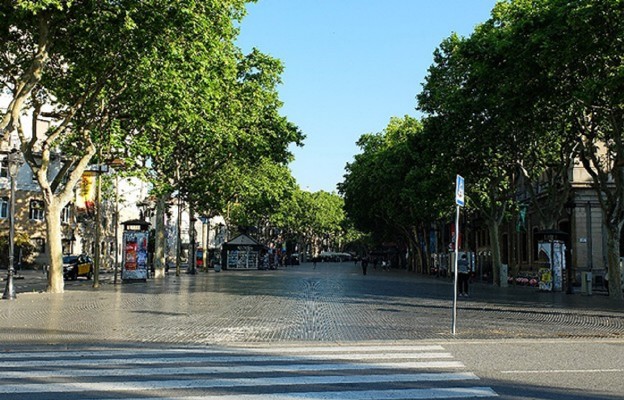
x: 309, y: 218
x: 467, y: 119
x: 219, y: 136
x: 392, y: 190
x: 576, y: 51
x: 82, y: 63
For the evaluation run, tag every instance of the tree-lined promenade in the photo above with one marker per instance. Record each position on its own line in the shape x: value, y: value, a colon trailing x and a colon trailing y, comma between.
x: 162, y: 89
x: 157, y: 85
x: 532, y: 89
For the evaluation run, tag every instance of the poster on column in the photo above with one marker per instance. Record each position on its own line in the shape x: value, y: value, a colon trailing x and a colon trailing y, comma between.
x: 554, y: 253
x: 134, y: 265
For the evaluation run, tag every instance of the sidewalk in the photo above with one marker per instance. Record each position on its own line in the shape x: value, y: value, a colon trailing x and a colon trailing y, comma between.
x: 516, y: 295
x: 512, y: 295
x: 333, y: 302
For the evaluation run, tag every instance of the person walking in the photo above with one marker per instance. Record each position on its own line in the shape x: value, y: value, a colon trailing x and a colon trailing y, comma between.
x: 463, y: 272
x: 364, y: 265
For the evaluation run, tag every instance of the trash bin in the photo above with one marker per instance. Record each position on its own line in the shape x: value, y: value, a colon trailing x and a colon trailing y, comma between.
x: 217, y: 267
x: 586, y: 283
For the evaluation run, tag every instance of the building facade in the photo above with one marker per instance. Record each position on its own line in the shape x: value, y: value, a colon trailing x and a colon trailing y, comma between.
x: 579, y: 226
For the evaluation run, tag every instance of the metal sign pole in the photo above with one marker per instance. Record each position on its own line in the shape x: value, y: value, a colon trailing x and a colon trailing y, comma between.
x: 459, y: 200
x: 456, y: 274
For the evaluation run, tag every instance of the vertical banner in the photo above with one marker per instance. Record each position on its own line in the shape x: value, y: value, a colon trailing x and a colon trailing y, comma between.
x: 134, y: 266
x: 85, y: 195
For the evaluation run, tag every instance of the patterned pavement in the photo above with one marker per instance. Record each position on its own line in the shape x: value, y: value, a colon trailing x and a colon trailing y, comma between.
x: 332, y: 303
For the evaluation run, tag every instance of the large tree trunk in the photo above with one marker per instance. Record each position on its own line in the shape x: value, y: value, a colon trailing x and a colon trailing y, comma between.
x: 613, y: 257
x: 427, y: 242
x: 493, y: 228
x: 160, y: 241
x: 413, y: 255
x: 56, y: 283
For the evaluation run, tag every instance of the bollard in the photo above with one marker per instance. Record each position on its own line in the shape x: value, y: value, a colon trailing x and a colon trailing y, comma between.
x: 586, y: 283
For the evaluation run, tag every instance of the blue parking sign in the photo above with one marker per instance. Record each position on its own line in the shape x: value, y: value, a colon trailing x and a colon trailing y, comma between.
x: 459, y: 191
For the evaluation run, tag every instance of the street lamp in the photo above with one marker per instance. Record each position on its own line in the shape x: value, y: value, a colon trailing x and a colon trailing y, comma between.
x: 14, y: 160
x: 192, y: 256
x: 569, y: 207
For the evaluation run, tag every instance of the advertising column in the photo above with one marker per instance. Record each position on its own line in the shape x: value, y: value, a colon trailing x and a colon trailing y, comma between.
x: 551, y: 277
x: 134, y: 265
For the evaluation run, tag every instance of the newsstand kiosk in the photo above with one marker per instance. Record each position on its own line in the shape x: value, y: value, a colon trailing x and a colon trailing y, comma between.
x: 551, y: 254
x: 135, y: 251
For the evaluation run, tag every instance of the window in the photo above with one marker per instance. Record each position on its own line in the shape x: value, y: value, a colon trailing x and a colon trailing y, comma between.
x: 66, y: 214
x: 40, y: 245
x: 36, y: 210
x: 4, y: 168
x: 4, y: 207
x: 534, y: 245
x: 66, y: 243
x: 524, y: 247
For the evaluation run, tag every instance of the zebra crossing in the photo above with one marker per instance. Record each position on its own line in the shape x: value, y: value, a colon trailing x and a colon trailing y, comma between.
x: 268, y: 372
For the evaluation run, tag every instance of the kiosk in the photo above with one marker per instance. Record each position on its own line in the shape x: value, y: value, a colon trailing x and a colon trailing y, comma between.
x: 135, y: 251
x: 551, y: 253
x: 242, y: 252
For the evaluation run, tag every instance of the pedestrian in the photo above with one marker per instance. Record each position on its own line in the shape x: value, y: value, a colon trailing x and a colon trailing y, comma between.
x: 364, y: 265
x: 463, y: 271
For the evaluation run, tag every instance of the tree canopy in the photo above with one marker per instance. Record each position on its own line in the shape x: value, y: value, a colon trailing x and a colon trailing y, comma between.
x: 534, y: 87
x: 160, y: 83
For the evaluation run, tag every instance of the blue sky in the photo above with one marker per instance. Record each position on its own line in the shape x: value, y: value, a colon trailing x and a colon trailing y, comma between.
x: 350, y: 65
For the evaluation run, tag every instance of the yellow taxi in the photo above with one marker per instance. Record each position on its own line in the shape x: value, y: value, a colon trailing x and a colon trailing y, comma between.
x: 75, y: 266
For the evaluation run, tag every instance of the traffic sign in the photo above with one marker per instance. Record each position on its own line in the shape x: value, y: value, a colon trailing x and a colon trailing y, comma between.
x: 459, y: 191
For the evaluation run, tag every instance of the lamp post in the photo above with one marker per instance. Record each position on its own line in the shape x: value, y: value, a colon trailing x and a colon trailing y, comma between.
x: 192, y: 255
x: 72, y: 238
x: 569, y: 207
x: 15, y: 161
x: 117, y: 164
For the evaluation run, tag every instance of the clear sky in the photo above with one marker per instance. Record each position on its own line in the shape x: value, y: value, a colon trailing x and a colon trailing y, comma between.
x: 350, y: 65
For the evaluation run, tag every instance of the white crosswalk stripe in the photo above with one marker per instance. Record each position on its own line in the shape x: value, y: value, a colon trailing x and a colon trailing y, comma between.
x: 248, y: 373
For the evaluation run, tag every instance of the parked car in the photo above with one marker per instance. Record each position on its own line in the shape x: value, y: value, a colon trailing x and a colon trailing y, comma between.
x: 293, y: 259
x: 75, y: 266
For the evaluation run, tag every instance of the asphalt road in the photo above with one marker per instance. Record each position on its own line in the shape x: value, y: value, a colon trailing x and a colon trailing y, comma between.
x: 511, y: 343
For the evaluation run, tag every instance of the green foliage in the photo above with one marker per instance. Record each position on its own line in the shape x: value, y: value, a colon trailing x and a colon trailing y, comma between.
x: 22, y: 243
x: 392, y: 186
x: 215, y: 125
x: 310, y: 216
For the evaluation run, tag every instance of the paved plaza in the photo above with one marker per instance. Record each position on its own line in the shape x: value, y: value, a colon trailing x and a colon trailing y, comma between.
x: 332, y: 303
x: 304, y: 333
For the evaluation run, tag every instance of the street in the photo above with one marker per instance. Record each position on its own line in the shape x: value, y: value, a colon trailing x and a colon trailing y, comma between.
x: 299, y: 332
